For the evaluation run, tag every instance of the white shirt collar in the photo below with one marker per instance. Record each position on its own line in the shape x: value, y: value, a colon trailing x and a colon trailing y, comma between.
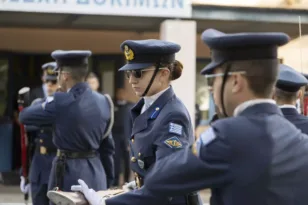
x: 149, y: 100
x: 44, y: 87
x: 287, y: 106
x: 241, y: 107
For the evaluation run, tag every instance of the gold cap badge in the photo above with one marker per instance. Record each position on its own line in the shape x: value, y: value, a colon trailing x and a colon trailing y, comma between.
x: 129, y: 54
x: 50, y: 71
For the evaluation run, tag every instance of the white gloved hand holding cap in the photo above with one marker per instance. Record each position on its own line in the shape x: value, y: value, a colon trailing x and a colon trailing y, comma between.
x: 91, y: 195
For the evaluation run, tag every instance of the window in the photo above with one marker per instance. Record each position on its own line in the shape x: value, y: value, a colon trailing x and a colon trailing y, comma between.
x: 202, y: 92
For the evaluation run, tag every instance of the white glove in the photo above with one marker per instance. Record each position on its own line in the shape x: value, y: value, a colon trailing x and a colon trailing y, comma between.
x: 24, y: 188
x: 91, y: 195
x: 129, y: 186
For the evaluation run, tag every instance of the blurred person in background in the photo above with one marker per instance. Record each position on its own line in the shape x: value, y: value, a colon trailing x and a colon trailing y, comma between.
x: 93, y: 81
x: 287, y: 92
x: 121, y: 131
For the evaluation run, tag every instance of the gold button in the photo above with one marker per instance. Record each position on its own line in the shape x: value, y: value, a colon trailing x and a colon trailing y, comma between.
x: 133, y: 140
x: 133, y: 159
x: 43, y: 150
x: 41, y: 141
x: 139, y: 154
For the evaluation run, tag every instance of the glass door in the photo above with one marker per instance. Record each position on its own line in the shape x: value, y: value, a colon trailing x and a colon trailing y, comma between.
x: 106, y: 68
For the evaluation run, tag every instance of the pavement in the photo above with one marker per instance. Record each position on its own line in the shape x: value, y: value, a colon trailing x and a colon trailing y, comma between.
x: 11, y: 195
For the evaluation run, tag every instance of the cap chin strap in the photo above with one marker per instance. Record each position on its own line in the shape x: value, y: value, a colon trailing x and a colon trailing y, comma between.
x: 152, y: 79
x: 223, y: 89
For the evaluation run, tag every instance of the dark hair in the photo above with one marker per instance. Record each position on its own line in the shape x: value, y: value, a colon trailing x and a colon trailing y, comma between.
x: 92, y: 75
x: 175, y: 68
x: 77, y: 73
x: 285, y: 96
x: 260, y: 74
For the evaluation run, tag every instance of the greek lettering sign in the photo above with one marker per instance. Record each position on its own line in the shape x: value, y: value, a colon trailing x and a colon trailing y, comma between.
x: 155, y: 8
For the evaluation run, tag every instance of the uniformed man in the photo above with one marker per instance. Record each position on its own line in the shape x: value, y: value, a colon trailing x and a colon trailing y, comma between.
x: 40, y: 91
x: 254, y: 156
x: 161, y: 122
x: 45, y: 150
x: 93, y: 81
x: 81, y: 122
x: 287, y: 91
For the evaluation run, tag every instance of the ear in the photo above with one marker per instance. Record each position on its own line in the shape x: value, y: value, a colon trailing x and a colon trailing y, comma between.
x: 165, y: 72
x: 274, y: 94
x: 237, y: 83
x: 300, y: 94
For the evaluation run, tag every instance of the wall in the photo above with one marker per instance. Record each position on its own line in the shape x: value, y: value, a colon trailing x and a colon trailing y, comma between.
x: 47, y: 40
x: 99, y: 42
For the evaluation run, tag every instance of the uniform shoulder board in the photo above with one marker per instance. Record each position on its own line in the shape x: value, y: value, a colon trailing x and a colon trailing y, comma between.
x: 49, y: 99
x: 111, y: 121
x: 205, y: 138
x: 208, y: 136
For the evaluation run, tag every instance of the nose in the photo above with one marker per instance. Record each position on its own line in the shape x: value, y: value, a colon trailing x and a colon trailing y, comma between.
x: 132, y: 80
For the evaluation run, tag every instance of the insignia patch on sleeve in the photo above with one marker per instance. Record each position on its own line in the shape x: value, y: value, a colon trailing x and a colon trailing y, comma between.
x: 175, y: 128
x: 173, y: 142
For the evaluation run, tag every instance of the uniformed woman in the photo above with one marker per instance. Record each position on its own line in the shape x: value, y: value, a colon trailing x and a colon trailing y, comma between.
x: 161, y: 122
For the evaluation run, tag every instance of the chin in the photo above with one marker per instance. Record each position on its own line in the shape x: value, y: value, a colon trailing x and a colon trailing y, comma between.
x: 138, y: 94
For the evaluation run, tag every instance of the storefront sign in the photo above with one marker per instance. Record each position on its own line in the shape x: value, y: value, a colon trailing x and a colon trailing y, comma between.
x: 155, y: 8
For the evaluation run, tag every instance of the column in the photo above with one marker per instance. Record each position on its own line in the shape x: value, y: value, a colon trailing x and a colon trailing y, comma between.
x: 183, y: 33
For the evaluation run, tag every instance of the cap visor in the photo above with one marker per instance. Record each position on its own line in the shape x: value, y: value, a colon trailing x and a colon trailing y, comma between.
x: 50, y: 78
x: 135, y: 66
x: 210, y: 67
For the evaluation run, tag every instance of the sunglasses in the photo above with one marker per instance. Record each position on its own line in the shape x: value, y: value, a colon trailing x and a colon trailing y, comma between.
x: 210, y: 78
x: 136, y: 73
x: 51, y: 81
x: 139, y: 73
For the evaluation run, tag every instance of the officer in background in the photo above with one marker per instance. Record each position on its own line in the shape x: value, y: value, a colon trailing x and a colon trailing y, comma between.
x: 45, y: 150
x: 161, y: 122
x: 121, y: 131
x: 40, y: 91
x: 93, y: 81
x: 304, y: 102
x: 82, y: 120
x: 287, y: 91
x: 254, y: 156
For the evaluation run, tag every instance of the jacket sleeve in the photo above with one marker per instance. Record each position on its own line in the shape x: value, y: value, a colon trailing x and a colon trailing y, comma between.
x: 39, y: 114
x: 187, y: 172
x: 175, y: 134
